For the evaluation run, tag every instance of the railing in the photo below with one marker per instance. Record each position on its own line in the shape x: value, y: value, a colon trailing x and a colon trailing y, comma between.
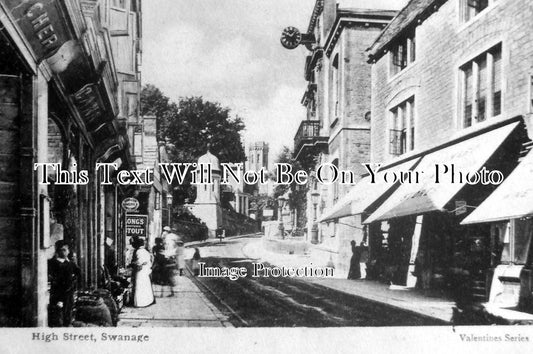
x: 307, y: 132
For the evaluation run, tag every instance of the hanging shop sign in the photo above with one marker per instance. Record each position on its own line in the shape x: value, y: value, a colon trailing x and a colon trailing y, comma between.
x: 130, y: 204
x: 136, y: 225
x: 90, y: 106
x: 42, y: 23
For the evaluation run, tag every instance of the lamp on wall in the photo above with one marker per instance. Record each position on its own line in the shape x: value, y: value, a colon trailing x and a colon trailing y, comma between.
x: 281, y: 204
x: 315, y: 198
x: 169, y: 206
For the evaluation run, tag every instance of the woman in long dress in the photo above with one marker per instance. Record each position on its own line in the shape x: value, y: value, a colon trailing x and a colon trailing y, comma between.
x: 142, y: 285
x: 355, y: 267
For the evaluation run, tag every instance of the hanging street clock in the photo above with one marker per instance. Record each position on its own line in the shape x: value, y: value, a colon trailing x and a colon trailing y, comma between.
x: 291, y: 37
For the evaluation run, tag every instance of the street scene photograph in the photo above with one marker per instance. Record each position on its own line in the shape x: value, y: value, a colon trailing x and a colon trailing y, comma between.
x: 266, y: 164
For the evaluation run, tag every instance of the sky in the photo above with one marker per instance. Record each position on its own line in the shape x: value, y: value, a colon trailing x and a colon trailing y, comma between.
x: 229, y: 51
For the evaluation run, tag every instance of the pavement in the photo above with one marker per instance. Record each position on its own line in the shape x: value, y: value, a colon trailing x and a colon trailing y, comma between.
x: 190, y: 307
x: 187, y: 308
x: 409, y: 299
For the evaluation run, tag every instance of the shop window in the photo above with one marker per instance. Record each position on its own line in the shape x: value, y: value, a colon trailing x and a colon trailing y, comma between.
x: 482, y: 87
x: 403, y: 52
x: 131, y: 110
x: 157, y: 203
x: 471, y: 8
x: 402, y: 132
x: 523, y: 230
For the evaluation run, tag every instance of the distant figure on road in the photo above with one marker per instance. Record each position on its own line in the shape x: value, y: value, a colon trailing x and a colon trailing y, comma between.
x: 355, y: 267
x: 180, y: 256
x: 142, y: 266
x: 195, y: 262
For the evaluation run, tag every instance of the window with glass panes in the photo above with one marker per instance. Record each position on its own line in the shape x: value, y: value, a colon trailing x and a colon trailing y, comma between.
x: 482, y: 87
x: 403, y: 52
x: 402, y: 132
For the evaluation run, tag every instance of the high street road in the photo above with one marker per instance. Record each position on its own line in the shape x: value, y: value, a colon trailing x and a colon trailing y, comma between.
x: 289, y: 301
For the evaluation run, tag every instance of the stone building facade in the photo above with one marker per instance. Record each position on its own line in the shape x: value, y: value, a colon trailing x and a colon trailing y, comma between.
x: 337, y: 127
x: 59, y: 104
x: 452, y: 81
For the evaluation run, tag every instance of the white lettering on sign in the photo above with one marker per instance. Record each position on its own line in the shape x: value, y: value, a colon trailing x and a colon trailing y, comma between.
x: 41, y: 25
x: 136, y: 225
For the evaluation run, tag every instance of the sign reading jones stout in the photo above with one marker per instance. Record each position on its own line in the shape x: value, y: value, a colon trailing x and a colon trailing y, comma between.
x: 136, y: 225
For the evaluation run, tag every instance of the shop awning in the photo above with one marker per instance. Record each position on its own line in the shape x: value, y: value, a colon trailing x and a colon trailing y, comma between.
x: 512, y: 199
x: 364, y: 193
x: 467, y: 156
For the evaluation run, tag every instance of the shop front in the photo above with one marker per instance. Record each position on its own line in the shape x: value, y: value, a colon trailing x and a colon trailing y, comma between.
x: 417, y: 233
x: 508, y: 211
x: 361, y: 200
x: 58, y: 104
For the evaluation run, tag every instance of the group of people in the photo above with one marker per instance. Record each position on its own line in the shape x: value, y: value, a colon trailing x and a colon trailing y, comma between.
x: 161, y: 266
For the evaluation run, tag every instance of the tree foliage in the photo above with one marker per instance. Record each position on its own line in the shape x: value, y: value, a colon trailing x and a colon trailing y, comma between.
x: 196, y: 124
x: 189, y: 127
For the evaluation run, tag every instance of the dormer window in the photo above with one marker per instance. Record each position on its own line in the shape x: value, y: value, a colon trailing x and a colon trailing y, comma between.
x: 403, y: 52
x: 471, y: 8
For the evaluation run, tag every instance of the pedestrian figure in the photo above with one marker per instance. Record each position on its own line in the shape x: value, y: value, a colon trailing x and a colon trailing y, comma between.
x: 142, y: 285
x: 170, y: 241
x: 355, y: 267
x: 160, y: 262
x: 363, y: 259
x: 180, y: 256
x: 423, y: 269
x: 63, y: 275
x: 195, y: 262
x: 110, y: 259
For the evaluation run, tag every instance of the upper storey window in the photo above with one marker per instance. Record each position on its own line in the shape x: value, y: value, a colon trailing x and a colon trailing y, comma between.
x: 471, y: 8
x: 336, y: 85
x: 403, y: 52
x: 402, y: 134
x: 482, y: 87
x: 119, y: 3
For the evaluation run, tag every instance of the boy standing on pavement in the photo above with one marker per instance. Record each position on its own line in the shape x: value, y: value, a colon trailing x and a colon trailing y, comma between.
x: 63, y: 274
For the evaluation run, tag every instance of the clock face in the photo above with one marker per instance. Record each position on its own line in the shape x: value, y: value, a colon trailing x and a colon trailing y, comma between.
x: 291, y: 37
